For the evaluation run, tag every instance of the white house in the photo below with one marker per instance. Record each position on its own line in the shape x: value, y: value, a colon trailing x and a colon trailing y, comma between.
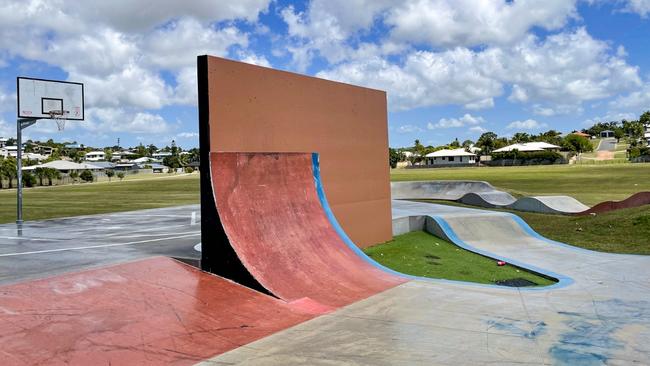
x: 450, y: 157
x: 161, y: 154
x: 646, y: 135
x: 528, y: 147
x: 95, y: 156
x: 3, y: 141
x: 65, y: 166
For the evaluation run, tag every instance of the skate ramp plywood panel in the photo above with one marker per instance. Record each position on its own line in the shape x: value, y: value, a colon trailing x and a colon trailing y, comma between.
x: 247, y: 108
x: 273, y: 217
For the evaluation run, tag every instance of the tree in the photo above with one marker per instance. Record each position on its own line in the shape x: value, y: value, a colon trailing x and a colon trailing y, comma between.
x: 394, y: 157
x: 40, y: 174
x: 86, y: 176
x: 52, y: 174
x: 634, y: 129
x: 9, y: 170
x: 645, y: 118
x: 467, y: 144
x: 486, y: 142
x: 108, y: 154
x: 29, y: 180
x: 151, y: 149
x: 74, y: 175
x: 520, y: 137
x: 577, y: 144
x: 120, y: 175
x: 110, y: 173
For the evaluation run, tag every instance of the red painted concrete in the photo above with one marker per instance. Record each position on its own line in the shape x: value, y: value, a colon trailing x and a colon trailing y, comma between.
x: 273, y: 218
x: 635, y: 200
x: 151, y: 312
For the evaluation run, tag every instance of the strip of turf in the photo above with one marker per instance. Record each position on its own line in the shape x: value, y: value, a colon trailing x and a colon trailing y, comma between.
x: 422, y: 254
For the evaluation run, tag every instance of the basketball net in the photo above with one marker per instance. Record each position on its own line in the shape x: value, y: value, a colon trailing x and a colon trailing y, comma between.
x: 59, y: 116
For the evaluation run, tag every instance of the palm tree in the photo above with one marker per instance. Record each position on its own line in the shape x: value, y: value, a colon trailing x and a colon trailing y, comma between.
x: 40, y: 174
x: 9, y: 170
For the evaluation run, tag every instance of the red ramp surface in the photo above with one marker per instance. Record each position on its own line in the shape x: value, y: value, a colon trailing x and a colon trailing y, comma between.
x: 152, y: 312
x: 273, y: 219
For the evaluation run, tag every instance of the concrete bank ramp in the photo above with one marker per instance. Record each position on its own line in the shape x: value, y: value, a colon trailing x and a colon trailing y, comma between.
x: 549, y: 204
x: 438, y: 189
x: 483, y: 194
x: 488, y: 199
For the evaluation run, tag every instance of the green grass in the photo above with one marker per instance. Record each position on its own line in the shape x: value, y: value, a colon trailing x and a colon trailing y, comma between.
x: 625, y: 231
x: 94, y: 198
x: 422, y: 254
x: 589, y: 184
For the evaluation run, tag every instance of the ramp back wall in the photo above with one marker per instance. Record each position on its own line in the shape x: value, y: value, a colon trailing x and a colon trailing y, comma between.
x: 247, y: 108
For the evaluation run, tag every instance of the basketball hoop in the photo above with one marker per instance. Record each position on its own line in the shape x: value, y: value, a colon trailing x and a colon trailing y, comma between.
x: 59, y: 116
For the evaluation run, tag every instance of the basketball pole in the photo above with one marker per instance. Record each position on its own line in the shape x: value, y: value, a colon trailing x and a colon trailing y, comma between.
x: 21, y: 125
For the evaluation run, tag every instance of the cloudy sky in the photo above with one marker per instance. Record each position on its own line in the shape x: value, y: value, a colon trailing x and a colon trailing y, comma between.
x: 452, y: 68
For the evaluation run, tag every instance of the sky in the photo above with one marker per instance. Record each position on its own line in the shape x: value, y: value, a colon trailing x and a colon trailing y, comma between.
x: 451, y: 68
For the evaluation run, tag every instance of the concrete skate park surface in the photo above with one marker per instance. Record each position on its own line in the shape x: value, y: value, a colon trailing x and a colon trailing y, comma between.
x: 599, y: 314
x: 483, y: 194
x: 165, y: 312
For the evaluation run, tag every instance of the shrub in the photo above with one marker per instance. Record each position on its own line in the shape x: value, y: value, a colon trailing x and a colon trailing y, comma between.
x: 29, y: 180
x: 120, y: 175
x: 189, y: 170
x: 526, y: 158
x: 86, y: 176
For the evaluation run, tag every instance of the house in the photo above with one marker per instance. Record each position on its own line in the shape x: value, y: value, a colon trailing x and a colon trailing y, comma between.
x: 43, y: 150
x: 74, y: 146
x: 161, y: 154
x: 145, y: 160
x: 126, y: 166
x: 646, y: 135
x: 606, y: 134
x: 95, y: 156
x: 65, y: 166
x: 10, y: 151
x: 450, y: 157
x: 3, y: 142
x: 581, y: 134
x: 159, y: 168
x: 529, y: 147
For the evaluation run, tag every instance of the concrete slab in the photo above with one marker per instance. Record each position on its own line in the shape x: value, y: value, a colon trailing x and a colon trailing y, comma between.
x: 601, y: 316
x: 48, y: 247
x: 149, y: 312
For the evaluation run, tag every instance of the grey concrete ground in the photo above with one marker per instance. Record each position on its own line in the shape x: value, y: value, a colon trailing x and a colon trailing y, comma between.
x: 50, y: 247
x: 598, y: 315
x: 607, y: 144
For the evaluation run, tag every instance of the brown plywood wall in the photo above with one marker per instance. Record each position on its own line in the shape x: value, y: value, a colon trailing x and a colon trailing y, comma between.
x: 257, y: 109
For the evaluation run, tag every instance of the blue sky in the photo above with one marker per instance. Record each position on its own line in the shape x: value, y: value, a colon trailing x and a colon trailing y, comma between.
x: 452, y: 68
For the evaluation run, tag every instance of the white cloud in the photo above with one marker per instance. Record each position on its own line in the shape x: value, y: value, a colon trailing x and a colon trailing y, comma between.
x: 409, y: 129
x: 254, y: 59
x: 453, y: 23
x: 119, y: 120
x: 563, y: 69
x: 638, y: 100
x: 529, y: 124
x: 641, y: 7
x: 188, y: 135
x: 465, y: 120
x: 7, y: 130
x: 477, y: 129
x: 611, y: 116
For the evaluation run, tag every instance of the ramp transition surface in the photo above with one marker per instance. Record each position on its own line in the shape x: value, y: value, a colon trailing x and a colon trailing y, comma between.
x: 272, y: 216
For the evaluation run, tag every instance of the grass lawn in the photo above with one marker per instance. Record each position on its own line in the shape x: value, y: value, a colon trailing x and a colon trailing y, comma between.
x: 622, y: 231
x: 422, y: 254
x: 589, y: 184
x: 94, y: 198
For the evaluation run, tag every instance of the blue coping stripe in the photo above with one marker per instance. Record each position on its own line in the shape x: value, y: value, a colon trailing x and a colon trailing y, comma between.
x: 563, y: 281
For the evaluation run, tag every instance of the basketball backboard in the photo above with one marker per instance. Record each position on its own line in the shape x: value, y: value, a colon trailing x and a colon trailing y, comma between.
x: 37, y: 98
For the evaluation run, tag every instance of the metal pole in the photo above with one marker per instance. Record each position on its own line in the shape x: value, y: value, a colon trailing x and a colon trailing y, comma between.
x: 22, y: 124
x: 19, y: 165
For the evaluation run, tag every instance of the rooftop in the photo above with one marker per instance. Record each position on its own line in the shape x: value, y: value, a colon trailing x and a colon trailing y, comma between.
x: 454, y: 152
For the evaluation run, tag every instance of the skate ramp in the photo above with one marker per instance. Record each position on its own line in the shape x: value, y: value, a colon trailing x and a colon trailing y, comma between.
x: 550, y: 204
x: 273, y: 219
x: 635, y: 200
x: 488, y: 199
x: 438, y: 189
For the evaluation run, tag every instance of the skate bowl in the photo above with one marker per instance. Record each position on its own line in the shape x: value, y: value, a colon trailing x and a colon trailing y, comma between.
x: 488, y: 199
